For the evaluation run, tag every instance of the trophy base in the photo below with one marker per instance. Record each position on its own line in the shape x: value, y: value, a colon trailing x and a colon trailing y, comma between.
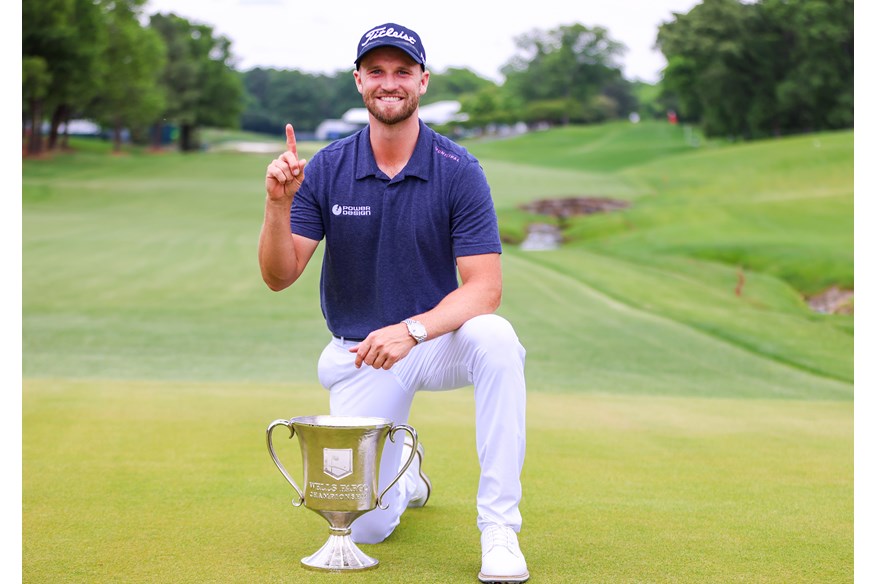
x: 339, y: 554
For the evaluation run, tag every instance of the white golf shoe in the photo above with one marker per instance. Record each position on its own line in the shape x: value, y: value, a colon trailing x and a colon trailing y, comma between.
x: 502, y: 561
x: 424, y: 485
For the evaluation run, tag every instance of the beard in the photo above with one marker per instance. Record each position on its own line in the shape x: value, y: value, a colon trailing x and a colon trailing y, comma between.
x: 396, y: 112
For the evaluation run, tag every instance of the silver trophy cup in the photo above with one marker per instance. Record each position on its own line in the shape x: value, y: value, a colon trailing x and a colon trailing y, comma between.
x: 341, y: 459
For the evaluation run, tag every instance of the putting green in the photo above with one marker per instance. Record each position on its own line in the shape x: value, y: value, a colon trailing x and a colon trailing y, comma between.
x: 172, y: 482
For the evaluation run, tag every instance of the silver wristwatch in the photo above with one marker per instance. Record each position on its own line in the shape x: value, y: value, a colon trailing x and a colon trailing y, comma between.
x: 416, y: 329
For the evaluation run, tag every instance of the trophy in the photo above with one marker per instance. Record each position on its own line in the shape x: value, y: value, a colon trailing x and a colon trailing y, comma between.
x: 341, y: 459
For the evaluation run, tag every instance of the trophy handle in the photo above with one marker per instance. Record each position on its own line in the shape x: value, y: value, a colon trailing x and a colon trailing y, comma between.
x: 392, y: 432
x: 279, y: 464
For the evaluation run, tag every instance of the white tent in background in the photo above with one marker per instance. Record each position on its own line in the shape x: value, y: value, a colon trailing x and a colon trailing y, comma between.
x: 442, y: 112
x: 334, y: 129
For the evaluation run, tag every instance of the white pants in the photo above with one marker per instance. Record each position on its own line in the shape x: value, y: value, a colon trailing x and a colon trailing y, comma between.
x: 484, y: 352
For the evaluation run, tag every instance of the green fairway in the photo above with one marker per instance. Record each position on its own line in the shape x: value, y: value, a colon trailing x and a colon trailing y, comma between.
x: 690, y: 417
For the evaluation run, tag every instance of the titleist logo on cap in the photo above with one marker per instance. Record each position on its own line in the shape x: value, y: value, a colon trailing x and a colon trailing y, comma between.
x: 390, y: 34
x: 382, y: 31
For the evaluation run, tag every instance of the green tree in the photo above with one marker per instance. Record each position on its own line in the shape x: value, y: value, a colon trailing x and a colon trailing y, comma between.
x: 492, y: 105
x: 278, y: 96
x: 256, y: 116
x: 755, y: 69
x: 130, y: 97
x: 201, y: 86
x: 454, y: 84
x: 77, y: 77
x: 815, y: 90
x: 68, y: 38
x: 707, y: 53
x: 649, y: 104
x: 565, y: 68
x: 44, y: 33
x: 35, y: 81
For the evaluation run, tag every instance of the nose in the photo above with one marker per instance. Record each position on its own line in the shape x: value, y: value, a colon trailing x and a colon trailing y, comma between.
x: 390, y: 82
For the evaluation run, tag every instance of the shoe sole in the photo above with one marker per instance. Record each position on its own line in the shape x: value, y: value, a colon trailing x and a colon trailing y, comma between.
x: 502, y: 579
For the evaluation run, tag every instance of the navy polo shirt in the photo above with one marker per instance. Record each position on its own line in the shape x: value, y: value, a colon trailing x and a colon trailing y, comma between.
x: 392, y: 244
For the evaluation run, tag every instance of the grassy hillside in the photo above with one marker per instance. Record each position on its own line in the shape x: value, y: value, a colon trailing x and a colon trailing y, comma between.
x: 726, y: 239
x: 782, y: 206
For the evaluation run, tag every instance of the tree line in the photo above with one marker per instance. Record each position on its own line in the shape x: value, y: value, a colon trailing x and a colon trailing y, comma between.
x: 737, y: 69
x: 106, y: 61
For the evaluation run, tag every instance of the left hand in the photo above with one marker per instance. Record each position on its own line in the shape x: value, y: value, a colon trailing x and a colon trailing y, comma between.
x: 384, y: 347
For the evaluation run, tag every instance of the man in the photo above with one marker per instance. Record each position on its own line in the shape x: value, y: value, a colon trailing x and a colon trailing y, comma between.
x: 402, y: 209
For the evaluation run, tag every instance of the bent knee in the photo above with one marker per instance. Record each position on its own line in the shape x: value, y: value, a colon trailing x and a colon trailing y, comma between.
x: 491, y: 331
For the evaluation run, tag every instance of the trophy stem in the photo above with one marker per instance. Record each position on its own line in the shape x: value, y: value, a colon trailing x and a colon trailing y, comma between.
x: 339, y: 554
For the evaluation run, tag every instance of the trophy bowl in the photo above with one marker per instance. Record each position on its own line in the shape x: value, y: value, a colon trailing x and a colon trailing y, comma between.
x: 341, y: 460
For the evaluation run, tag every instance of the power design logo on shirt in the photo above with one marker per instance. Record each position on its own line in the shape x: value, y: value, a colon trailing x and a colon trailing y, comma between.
x: 360, y: 211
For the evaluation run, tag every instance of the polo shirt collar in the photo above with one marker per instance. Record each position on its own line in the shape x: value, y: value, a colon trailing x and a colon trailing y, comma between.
x: 420, y: 164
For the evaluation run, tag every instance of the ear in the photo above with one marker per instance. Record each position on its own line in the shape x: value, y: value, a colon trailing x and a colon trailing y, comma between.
x: 424, y: 82
x: 358, y: 80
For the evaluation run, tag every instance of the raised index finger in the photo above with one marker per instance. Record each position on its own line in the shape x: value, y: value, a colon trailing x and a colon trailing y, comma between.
x: 290, y: 140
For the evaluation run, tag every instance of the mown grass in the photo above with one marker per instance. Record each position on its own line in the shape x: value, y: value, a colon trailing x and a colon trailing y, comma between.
x: 144, y: 481
x: 677, y: 431
x: 144, y: 266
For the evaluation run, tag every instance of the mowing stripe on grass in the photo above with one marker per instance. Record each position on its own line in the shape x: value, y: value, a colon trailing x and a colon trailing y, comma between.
x: 171, y: 482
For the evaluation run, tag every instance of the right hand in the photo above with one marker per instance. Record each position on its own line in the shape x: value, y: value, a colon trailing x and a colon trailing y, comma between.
x: 286, y: 172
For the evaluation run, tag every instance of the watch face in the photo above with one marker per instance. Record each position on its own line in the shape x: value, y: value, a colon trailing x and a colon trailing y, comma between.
x: 417, y: 330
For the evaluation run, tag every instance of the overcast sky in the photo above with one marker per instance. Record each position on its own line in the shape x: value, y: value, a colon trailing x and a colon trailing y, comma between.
x: 321, y: 37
